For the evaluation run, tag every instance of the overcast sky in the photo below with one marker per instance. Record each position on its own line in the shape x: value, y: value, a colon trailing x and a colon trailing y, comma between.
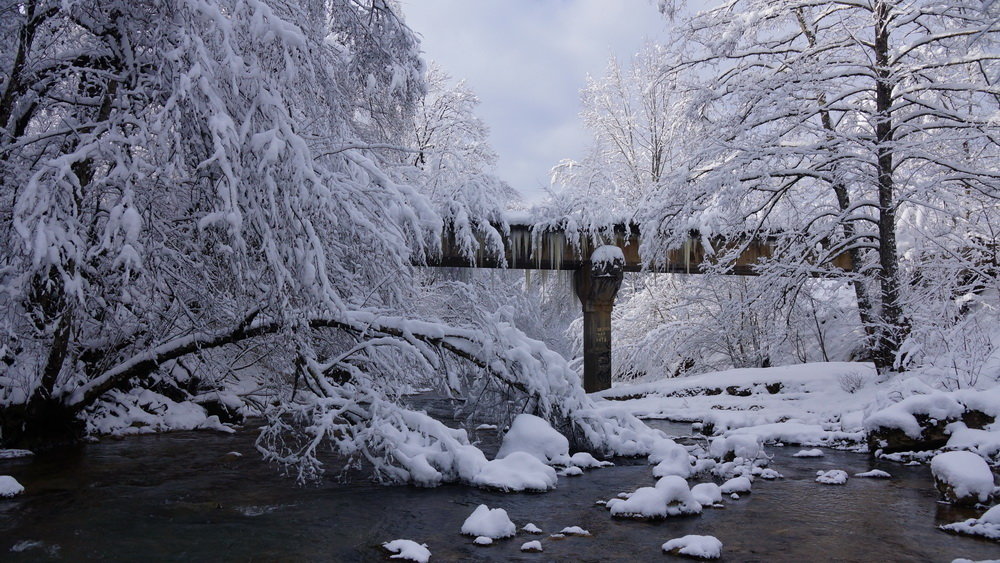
x: 527, y: 60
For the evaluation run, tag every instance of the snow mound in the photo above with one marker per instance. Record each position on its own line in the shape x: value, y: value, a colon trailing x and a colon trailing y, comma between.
x: 671, y: 459
x: 571, y: 471
x: 875, y: 474
x: 607, y: 254
x: 14, y: 454
x: 815, y: 452
x: 491, y: 523
x: 766, y: 473
x: 831, y: 477
x: 586, y: 461
x: 533, y: 435
x: 987, y: 525
x: 483, y: 540
x: 533, y: 546
x: 745, y: 445
x: 574, y: 531
x: 518, y: 471
x: 736, y: 485
x: 707, y: 493
x: 9, y: 487
x: 408, y: 550
x: 701, y: 547
x: 670, y: 497
x: 531, y: 528
x: 961, y: 475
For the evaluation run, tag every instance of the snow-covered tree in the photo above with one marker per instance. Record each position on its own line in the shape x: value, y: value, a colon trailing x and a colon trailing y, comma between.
x: 208, y: 197
x: 455, y: 165
x: 834, y: 127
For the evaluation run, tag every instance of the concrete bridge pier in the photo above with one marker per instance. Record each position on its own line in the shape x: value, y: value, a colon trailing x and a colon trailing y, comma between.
x: 597, y: 285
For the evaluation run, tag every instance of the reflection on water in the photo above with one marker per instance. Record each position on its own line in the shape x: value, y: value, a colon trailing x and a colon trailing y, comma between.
x: 179, y: 497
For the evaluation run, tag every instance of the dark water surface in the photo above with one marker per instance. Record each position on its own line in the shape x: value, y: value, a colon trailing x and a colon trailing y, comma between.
x: 179, y: 497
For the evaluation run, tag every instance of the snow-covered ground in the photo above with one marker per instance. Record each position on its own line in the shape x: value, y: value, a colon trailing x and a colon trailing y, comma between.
x: 834, y: 404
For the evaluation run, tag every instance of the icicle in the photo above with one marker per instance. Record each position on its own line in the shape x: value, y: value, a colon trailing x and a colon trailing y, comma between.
x: 686, y: 249
x: 558, y: 242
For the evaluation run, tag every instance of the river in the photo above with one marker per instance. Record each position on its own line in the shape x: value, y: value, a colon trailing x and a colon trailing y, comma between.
x: 183, y: 497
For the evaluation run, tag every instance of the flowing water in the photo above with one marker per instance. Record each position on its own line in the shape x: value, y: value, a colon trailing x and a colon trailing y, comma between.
x: 182, y: 497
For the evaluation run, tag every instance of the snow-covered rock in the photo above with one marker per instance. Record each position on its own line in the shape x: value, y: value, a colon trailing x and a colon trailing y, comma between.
x: 707, y: 493
x: 586, y: 461
x: 533, y: 546
x: 9, y: 487
x: 670, y: 497
x: 574, y: 531
x: 962, y: 477
x: 490, y: 523
x: 483, y: 540
x: 571, y: 471
x: 14, y: 454
x: 408, y: 550
x: 924, y: 421
x: 831, y: 477
x: 736, y: 485
x: 987, y: 525
x: 533, y: 435
x: 766, y: 473
x: 671, y: 459
x: 815, y: 452
x: 700, y: 547
x: 531, y: 528
x: 874, y: 474
x: 727, y: 448
x: 518, y: 471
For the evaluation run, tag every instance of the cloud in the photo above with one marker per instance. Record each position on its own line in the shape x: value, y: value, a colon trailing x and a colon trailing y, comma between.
x: 527, y: 60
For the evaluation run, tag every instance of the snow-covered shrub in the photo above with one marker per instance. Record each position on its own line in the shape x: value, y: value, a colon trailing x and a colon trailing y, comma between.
x: 851, y: 381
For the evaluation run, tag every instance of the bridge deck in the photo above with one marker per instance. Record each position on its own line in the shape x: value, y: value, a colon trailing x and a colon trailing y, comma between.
x: 553, y: 250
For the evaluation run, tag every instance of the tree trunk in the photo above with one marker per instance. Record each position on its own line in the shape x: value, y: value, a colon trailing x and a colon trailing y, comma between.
x: 893, y: 329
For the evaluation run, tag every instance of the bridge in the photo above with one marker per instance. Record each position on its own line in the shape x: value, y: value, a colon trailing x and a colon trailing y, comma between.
x: 597, y: 277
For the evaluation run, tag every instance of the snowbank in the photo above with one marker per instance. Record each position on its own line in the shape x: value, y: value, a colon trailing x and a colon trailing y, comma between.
x: 9, y: 487
x: 815, y: 452
x: 962, y: 477
x: 490, y: 523
x: 701, y: 547
x: 801, y: 404
x: 408, y: 550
